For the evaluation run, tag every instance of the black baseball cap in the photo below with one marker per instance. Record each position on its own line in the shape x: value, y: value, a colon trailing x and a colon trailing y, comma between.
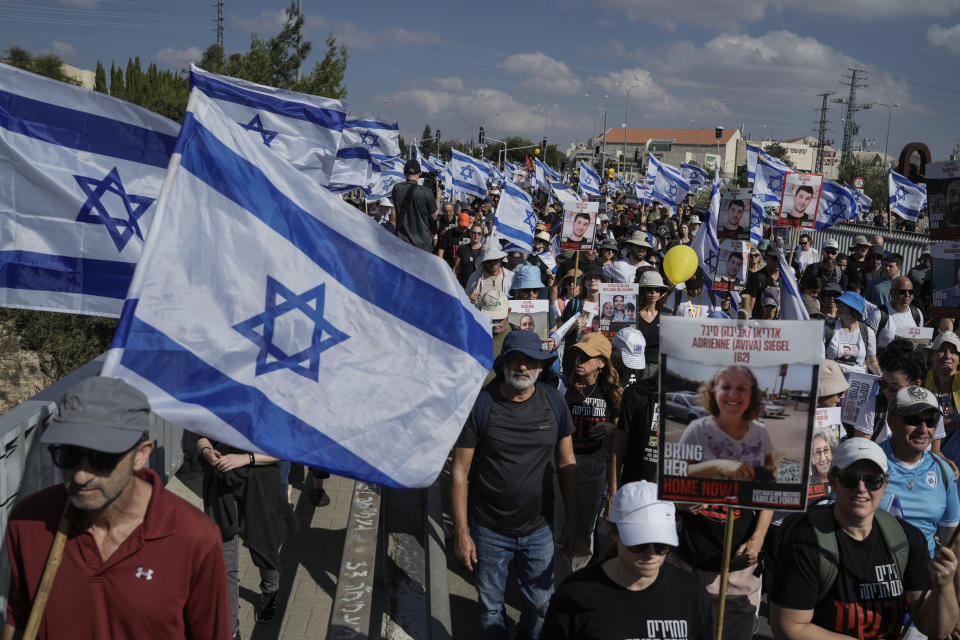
x: 411, y: 167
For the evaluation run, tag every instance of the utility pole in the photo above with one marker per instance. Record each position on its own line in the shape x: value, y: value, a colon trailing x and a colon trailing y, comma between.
x: 857, y: 80
x: 220, y: 29
x: 603, y: 156
x: 821, y: 130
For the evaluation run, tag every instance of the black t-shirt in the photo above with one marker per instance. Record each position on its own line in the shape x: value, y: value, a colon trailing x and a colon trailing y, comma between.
x: 591, y: 606
x: 640, y: 419
x: 451, y: 243
x: 701, y: 535
x: 757, y: 281
x: 867, y: 599
x: 587, y: 410
x: 511, y: 478
x: 651, y: 335
x: 414, y: 223
x: 469, y: 261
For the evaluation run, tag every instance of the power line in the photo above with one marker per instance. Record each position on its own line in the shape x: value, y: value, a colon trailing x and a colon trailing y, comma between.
x: 821, y: 130
x: 857, y: 80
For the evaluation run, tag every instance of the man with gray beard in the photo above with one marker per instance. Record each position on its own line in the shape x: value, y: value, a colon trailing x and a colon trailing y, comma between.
x: 518, y: 430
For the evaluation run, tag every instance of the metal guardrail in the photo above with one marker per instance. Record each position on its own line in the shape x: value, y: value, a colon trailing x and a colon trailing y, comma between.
x: 909, y: 245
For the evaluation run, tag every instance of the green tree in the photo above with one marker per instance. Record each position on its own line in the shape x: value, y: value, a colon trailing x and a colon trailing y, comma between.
x: 326, y: 78
x: 45, y: 65
x: 100, y: 79
x: 426, y: 144
x: 780, y: 152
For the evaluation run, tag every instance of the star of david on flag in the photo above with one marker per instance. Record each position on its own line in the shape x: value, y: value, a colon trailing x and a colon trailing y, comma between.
x: 669, y: 187
x: 837, y: 204
x: 514, y: 218
x: 369, y: 139
x: 256, y: 126
x: 81, y: 172
x: 466, y: 173
x: 906, y: 198
x: 274, y: 309
x: 94, y: 211
x: 589, y: 180
x: 261, y: 327
x: 469, y: 174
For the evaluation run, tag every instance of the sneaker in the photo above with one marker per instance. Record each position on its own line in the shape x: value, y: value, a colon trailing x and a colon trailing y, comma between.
x: 319, y: 497
x: 268, y: 608
x: 236, y: 636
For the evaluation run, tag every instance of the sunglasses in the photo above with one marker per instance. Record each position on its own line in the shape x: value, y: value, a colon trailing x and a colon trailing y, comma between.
x: 850, y: 480
x: 830, y: 252
x: 804, y: 242
x: 901, y: 292
x: 69, y: 457
x: 659, y: 548
x: 929, y: 420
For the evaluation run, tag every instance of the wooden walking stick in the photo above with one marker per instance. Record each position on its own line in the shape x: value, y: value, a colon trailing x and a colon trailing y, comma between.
x: 54, y: 559
x: 725, y: 571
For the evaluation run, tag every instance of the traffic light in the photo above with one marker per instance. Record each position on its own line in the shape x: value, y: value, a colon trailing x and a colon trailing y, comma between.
x: 438, y: 135
x: 596, y: 151
x: 480, y: 137
x: 719, y: 132
x: 543, y: 145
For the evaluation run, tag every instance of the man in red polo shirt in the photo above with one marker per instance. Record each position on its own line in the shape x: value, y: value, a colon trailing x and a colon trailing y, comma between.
x: 139, y: 562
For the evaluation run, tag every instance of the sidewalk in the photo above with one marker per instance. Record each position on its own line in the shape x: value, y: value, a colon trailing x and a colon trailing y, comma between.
x: 310, y: 563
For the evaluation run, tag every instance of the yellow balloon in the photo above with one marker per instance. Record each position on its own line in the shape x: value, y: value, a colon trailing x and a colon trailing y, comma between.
x: 536, y: 152
x: 680, y: 263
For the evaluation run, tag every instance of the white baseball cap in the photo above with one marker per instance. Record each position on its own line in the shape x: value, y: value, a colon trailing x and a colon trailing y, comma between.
x: 641, y: 518
x: 631, y: 343
x: 855, y: 449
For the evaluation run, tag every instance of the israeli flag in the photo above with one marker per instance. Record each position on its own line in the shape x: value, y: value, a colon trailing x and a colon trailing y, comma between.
x: 669, y: 187
x: 303, y: 129
x: 510, y: 168
x: 363, y: 145
x: 649, y: 180
x: 705, y: 243
x: 495, y: 176
x: 768, y: 181
x: 564, y: 193
x: 469, y: 174
x: 548, y: 172
x: 864, y: 202
x: 515, y: 219
x: 837, y: 204
x: 425, y: 163
x: 694, y: 175
x: 77, y: 195
x: 791, y: 302
x: 753, y: 152
x: 906, y: 198
x: 387, y: 174
x: 436, y: 162
x: 259, y: 322
x: 589, y: 180
x: 756, y: 222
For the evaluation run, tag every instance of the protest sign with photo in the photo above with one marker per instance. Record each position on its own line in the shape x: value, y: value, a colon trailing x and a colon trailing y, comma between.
x: 943, y: 199
x: 591, y: 319
x: 618, y: 307
x: 738, y: 403
x: 801, y: 196
x: 829, y: 418
x: 735, y: 210
x: 731, y: 268
x: 920, y: 335
x: 863, y: 386
x: 579, y: 225
x: 946, y: 279
x: 532, y: 315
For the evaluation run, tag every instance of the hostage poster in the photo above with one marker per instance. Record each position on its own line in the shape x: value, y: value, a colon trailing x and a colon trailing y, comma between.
x: 738, y: 402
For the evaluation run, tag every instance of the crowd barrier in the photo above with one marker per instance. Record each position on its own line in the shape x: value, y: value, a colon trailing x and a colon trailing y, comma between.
x: 909, y: 245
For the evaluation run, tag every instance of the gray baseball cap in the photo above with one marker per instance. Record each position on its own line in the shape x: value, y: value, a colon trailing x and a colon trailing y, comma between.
x: 909, y: 401
x: 103, y: 414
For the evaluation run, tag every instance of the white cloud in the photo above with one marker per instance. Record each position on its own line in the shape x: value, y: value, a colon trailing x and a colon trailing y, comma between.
x: 64, y: 50
x: 179, y: 58
x: 266, y: 24
x: 728, y: 14
x: 84, y: 4
x: 450, y: 83
x: 544, y: 72
x: 948, y: 37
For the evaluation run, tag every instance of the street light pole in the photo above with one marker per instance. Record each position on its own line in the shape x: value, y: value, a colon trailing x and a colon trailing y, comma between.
x: 889, y: 117
x: 626, y: 111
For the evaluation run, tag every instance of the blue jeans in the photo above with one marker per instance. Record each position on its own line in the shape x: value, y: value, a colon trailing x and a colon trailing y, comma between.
x: 532, y: 556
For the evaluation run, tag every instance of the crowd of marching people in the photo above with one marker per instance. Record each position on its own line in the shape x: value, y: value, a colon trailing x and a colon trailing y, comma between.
x: 555, y: 472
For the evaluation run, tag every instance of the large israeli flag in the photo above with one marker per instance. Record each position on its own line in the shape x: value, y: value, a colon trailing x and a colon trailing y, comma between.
x: 669, y: 187
x: 906, y: 198
x: 80, y: 173
x: 753, y: 152
x: 837, y: 204
x: 589, y: 180
x: 564, y: 193
x: 426, y: 163
x: 387, y: 173
x: 468, y: 174
x: 548, y: 172
x: 303, y: 129
x: 261, y: 322
x: 768, y: 180
x: 515, y: 219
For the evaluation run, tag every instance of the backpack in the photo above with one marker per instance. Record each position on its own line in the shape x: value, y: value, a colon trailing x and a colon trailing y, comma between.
x: 823, y: 526
x: 485, y: 402
x: 885, y: 316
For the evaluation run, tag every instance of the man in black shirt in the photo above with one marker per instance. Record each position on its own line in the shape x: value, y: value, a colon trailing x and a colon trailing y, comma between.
x: 760, y: 280
x: 417, y: 210
x: 880, y: 564
x: 517, y: 431
x: 635, y: 594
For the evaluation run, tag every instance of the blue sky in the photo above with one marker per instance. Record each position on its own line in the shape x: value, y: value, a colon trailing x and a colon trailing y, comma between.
x: 701, y: 63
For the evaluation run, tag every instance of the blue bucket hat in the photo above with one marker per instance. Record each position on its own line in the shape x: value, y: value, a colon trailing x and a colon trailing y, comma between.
x: 526, y: 276
x: 853, y: 300
x: 527, y: 343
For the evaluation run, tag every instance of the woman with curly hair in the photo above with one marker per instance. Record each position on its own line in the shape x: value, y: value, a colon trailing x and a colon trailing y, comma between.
x: 733, y: 443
